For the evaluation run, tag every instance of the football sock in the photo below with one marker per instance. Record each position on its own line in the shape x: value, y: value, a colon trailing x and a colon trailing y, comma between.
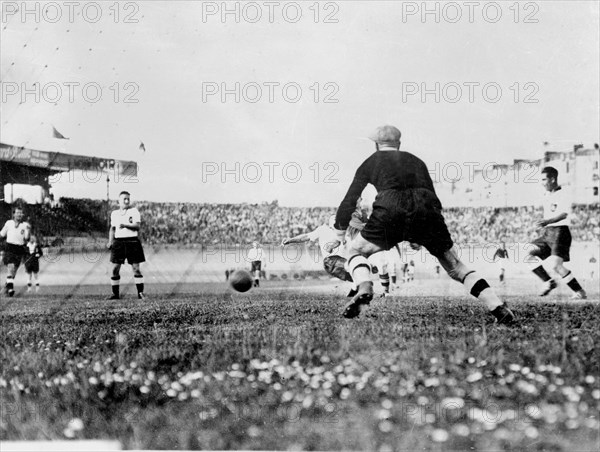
x: 9, y: 283
x: 115, y: 281
x: 385, y: 282
x: 541, y: 273
x: 139, y: 283
x: 479, y: 288
x: 359, y: 268
x: 570, y: 281
x: 393, y: 279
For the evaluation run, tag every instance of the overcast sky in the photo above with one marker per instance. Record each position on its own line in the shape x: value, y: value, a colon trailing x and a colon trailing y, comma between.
x: 358, y: 65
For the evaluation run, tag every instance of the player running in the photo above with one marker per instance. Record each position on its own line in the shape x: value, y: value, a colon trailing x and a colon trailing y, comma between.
x: 406, y: 209
x: 255, y: 256
x: 552, y: 249
x: 502, y: 256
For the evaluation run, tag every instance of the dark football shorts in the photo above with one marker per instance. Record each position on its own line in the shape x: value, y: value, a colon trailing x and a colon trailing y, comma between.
x: 555, y: 241
x: 13, y: 254
x: 335, y: 266
x: 412, y: 215
x: 129, y: 249
x: 256, y: 266
x: 32, y: 265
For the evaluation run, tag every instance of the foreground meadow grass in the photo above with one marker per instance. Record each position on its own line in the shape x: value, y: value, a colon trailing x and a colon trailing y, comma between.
x: 281, y: 370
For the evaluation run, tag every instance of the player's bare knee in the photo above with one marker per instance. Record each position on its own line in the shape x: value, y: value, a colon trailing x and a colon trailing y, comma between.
x: 533, y: 250
x: 458, y: 272
x: 554, y: 264
x: 558, y: 267
x: 360, y: 245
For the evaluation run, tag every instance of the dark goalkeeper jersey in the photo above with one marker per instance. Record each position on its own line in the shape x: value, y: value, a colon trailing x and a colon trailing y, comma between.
x: 386, y: 170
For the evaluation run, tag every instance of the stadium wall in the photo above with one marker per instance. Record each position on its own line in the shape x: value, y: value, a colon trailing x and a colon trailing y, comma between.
x: 173, y: 264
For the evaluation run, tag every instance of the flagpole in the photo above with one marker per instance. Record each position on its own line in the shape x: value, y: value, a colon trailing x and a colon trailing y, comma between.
x: 108, y: 197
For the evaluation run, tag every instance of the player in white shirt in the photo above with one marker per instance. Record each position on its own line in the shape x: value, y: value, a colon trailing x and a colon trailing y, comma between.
x: 331, y: 249
x: 255, y: 256
x: 16, y: 232
x: 552, y: 249
x: 410, y: 271
x: 124, y: 244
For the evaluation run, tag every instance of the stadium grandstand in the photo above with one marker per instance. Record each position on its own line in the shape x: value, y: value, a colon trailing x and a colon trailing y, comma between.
x: 55, y: 221
x: 506, y: 216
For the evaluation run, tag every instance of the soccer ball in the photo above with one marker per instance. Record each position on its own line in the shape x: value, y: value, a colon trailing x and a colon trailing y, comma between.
x: 241, y: 281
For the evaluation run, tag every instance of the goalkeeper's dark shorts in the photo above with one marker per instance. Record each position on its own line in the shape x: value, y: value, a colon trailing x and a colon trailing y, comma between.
x: 335, y: 266
x: 412, y: 215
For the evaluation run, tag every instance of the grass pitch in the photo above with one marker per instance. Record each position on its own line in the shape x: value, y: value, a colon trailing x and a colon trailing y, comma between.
x: 279, y: 368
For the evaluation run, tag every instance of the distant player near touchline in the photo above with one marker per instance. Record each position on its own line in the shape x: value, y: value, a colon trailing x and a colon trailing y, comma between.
x: 406, y: 209
x: 410, y: 271
x: 255, y: 256
x: 124, y: 244
x: 16, y: 232
x: 33, y: 253
x: 502, y: 256
x: 552, y: 249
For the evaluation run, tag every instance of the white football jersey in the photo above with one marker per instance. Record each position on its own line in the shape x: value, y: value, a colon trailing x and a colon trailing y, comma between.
x: 127, y: 216
x: 255, y: 254
x: 324, y: 235
x: 555, y: 203
x: 16, y: 234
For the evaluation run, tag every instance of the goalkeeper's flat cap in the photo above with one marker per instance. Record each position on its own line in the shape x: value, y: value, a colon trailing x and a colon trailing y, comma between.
x: 386, y: 135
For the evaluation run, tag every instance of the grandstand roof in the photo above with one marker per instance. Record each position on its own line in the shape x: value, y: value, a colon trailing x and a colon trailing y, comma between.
x: 26, y: 166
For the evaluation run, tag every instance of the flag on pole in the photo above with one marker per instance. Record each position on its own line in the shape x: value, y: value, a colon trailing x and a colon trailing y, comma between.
x: 57, y: 134
x: 142, y: 147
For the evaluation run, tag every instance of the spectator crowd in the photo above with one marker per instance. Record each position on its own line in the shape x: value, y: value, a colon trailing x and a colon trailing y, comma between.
x: 185, y: 223
x: 268, y: 223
